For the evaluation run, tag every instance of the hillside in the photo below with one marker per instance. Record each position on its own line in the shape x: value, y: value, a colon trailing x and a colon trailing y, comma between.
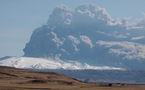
x: 25, y: 79
x: 16, y: 79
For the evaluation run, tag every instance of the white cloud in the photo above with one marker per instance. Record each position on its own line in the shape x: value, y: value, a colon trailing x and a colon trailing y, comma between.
x: 138, y: 38
x: 114, y: 34
x: 129, y: 50
x: 56, y: 39
x: 140, y: 23
x: 75, y: 42
x: 90, y: 13
x: 60, y: 15
x: 86, y: 40
x: 74, y: 39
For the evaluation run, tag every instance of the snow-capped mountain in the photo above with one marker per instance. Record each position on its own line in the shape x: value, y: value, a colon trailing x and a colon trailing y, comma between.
x: 45, y: 64
x: 74, y: 69
x: 89, y: 34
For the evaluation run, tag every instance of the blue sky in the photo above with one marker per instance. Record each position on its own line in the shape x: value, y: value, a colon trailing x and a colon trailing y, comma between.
x: 18, y: 18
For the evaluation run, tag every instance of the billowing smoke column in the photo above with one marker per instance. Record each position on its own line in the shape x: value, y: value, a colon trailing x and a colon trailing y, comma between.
x: 89, y: 34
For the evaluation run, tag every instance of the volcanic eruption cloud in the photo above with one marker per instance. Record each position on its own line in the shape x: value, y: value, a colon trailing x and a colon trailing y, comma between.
x: 89, y: 34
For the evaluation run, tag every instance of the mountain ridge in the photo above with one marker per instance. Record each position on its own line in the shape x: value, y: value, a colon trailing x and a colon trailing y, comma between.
x: 49, y: 63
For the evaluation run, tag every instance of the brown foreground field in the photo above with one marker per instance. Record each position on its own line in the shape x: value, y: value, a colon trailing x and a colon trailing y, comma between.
x: 18, y: 79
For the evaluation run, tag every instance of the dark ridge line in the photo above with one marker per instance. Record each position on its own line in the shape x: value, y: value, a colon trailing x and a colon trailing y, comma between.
x: 8, y: 74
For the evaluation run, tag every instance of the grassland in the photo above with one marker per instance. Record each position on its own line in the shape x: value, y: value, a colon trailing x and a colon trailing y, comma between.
x: 18, y: 79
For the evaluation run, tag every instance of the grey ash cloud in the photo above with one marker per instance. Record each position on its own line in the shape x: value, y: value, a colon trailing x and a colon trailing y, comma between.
x: 72, y: 35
